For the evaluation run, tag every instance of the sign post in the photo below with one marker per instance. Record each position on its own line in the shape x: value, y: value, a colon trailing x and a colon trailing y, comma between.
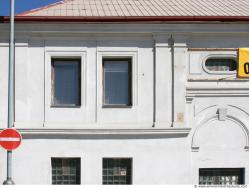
x: 9, y: 180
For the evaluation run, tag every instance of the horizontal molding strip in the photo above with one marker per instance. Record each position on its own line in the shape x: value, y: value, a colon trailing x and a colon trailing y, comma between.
x: 212, y: 49
x: 103, y: 131
x: 101, y: 19
x: 221, y: 92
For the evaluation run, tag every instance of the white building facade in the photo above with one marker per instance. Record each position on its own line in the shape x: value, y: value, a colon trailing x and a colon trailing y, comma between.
x: 185, y: 115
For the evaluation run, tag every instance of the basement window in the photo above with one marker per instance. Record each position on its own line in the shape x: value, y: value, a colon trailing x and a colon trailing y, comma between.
x: 220, y: 65
x: 221, y: 176
x: 65, y: 171
x: 117, y: 171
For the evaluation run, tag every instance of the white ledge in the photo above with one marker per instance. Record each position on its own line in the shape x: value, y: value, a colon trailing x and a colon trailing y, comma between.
x: 105, y: 131
x: 235, y: 92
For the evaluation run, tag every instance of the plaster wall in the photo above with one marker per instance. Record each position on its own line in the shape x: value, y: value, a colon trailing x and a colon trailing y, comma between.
x: 161, y: 154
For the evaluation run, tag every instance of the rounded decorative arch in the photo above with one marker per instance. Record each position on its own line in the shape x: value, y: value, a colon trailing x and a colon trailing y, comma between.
x: 214, y: 116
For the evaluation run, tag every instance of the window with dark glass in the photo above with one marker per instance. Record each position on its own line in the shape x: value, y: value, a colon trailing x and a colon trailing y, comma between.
x: 66, y: 82
x: 117, y: 82
x: 117, y: 171
x: 65, y: 171
x: 221, y: 176
x: 218, y: 64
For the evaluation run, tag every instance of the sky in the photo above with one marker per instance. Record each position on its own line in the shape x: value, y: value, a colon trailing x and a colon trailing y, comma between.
x: 22, y: 5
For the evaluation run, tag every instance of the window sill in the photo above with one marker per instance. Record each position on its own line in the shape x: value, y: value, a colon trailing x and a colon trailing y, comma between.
x: 117, y: 106
x: 65, y: 106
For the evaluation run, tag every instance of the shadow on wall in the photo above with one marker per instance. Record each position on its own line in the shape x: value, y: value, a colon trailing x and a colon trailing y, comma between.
x: 104, y: 136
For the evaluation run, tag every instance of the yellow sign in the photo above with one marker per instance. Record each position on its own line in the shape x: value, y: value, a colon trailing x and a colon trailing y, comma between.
x: 243, y: 66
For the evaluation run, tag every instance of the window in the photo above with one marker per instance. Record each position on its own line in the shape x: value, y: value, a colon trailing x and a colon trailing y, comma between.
x: 117, y: 82
x: 66, y: 82
x: 65, y: 171
x: 221, y: 176
x: 220, y: 65
x: 117, y: 171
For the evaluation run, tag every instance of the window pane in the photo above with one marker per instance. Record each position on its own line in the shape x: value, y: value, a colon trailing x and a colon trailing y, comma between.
x: 117, y: 171
x: 66, y: 82
x: 117, y: 82
x: 221, y: 176
x: 65, y: 171
x: 221, y: 64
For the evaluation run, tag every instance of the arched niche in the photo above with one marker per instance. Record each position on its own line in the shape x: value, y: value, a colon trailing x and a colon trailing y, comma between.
x: 212, y: 133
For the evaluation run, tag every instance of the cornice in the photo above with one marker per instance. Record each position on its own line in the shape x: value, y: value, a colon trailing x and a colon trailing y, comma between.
x: 132, y: 133
x: 219, y: 92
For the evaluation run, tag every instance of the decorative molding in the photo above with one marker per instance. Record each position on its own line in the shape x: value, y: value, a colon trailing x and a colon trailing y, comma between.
x: 244, y: 128
x: 240, y: 109
x: 222, y: 78
x: 222, y: 113
x: 212, y: 49
x: 195, y: 149
x: 117, y: 52
x: 194, y: 29
x: 204, y: 109
x: 53, y: 133
x: 189, y: 100
x: 219, y: 92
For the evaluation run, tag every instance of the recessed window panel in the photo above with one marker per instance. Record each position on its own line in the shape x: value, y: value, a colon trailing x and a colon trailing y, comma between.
x: 117, y: 171
x: 66, y: 80
x: 221, y: 64
x: 221, y: 176
x: 117, y: 82
x: 65, y: 171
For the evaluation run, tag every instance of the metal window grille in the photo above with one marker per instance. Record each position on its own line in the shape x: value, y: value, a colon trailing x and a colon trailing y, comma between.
x: 223, y: 176
x: 117, y: 171
x: 65, y: 170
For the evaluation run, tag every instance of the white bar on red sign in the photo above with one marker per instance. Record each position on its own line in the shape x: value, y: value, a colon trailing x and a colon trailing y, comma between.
x: 9, y: 139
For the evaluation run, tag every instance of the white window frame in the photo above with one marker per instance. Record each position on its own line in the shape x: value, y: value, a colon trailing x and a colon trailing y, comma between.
x: 64, y: 54
x: 117, y: 54
x: 219, y: 56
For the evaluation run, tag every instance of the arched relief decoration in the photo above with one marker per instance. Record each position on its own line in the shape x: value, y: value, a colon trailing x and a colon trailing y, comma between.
x: 215, y: 116
x: 240, y: 109
x: 197, y: 112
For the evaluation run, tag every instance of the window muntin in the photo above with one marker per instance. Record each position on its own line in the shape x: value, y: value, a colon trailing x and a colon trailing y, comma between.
x: 218, y: 64
x: 117, y: 82
x: 66, y: 82
x: 65, y: 171
x: 221, y: 176
x: 117, y: 171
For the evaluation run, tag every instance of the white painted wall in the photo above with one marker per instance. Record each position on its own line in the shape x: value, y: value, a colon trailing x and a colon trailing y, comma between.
x: 161, y: 154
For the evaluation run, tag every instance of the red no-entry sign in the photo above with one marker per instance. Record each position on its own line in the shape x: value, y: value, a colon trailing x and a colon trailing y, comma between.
x: 10, y: 139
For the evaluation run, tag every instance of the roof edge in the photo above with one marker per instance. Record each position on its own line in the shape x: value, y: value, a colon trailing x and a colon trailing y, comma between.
x: 5, y: 19
x: 25, y: 13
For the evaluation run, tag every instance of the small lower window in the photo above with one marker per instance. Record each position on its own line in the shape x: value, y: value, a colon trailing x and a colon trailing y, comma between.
x: 221, y: 176
x: 220, y: 65
x: 65, y: 171
x: 117, y: 171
